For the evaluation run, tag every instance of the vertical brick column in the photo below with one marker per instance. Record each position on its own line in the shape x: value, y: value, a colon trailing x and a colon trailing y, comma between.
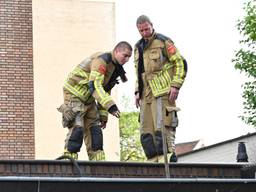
x: 16, y: 80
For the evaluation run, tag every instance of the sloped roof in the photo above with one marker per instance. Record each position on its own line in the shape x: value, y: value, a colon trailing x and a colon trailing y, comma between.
x: 218, y: 144
x: 186, y: 147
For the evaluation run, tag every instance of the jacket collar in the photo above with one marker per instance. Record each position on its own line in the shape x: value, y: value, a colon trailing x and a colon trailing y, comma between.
x: 146, y: 42
x: 114, y: 61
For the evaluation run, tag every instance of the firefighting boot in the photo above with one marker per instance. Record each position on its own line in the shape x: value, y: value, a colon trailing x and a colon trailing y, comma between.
x: 98, y: 155
x: 170, y: 156
x: 173, y: 158
x: 70, y: 154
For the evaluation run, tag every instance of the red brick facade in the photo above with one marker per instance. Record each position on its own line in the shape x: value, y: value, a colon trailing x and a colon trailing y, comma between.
x: 16, y: 80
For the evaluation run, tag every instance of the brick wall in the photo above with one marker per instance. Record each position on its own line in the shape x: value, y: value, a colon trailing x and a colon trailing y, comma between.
x: 16, y: 80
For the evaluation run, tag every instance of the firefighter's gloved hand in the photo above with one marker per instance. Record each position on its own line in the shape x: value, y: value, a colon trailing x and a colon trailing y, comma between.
x: 67, y: 112
x: 114, y: 111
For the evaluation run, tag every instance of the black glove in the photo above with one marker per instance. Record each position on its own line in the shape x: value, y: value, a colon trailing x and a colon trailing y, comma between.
x: 114, y: 111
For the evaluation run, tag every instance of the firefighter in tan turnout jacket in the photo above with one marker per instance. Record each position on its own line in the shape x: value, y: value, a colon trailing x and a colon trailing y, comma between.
x: 161, y: 71
x: 87, y: 100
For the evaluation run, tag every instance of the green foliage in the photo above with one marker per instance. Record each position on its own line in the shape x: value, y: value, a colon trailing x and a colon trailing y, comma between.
x: 245, y: 61
x: 249, y: 103
x: 131, y: 149
x: 127, y: 104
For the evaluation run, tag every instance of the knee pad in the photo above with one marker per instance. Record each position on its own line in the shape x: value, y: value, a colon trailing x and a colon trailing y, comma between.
x: 75, y: 141
x: 97, y: 138
x: 148, y: 145
x: 159, y: 142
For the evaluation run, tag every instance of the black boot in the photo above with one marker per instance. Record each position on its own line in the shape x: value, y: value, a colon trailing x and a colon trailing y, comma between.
x: 173, y: 158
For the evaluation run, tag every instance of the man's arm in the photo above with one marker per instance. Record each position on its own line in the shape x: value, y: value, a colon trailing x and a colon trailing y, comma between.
x: 179, y: 70
x: 96, y: 79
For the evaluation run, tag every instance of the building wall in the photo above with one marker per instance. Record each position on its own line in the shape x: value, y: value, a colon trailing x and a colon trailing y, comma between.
x: 16, y: 80
x: 66, y: 32
x: 224, y: 153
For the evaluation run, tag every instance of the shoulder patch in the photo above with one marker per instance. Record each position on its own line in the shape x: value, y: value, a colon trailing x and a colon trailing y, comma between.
x: 171, y: 49
x: 102, y: 69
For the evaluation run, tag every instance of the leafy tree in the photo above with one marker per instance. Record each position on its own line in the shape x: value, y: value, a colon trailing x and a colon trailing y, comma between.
x: 245, y: 61
x: 131, y: 149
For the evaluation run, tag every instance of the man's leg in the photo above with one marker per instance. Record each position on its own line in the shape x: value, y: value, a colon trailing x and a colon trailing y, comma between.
x: 171, y: 123
x: 93, y: 137
x: 74, y: 139
x: 147, y: 131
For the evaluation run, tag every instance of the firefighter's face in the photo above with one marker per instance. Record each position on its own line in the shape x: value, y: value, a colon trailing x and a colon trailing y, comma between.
x: 122, y: 55
x: 145, y: 29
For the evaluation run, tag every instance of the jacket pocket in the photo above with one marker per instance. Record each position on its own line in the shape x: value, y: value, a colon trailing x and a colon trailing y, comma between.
x: 155, y: 59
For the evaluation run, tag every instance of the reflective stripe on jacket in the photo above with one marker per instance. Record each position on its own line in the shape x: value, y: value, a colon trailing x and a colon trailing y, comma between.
x: 77, y: 84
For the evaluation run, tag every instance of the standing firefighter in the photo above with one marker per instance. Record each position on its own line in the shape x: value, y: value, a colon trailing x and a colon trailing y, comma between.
x: 87, y: 100
x: 161, y: 71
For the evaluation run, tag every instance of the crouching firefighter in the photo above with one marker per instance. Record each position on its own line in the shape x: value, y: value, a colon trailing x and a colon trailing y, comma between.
x: 87, y: 100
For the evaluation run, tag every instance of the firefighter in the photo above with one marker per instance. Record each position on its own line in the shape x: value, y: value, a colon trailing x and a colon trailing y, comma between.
x: 87, y: 100
x: 161, y: 71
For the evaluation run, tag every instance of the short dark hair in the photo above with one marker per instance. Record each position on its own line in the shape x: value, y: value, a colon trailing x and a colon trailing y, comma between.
x: 123, y: 45
x: 142, y: 19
